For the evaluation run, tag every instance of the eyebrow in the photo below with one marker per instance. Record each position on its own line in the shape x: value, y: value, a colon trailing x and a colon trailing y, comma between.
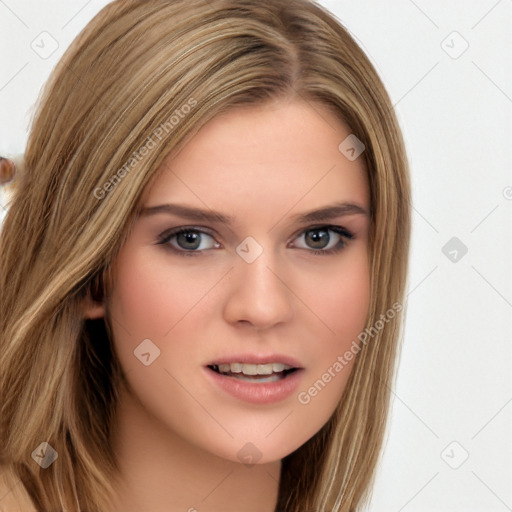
x: 197, y: 214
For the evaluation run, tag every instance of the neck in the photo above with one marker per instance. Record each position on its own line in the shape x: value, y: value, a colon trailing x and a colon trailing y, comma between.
x: 162, y: 472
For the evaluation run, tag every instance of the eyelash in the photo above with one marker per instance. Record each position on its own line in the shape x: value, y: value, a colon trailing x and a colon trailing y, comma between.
x: 345, y: 234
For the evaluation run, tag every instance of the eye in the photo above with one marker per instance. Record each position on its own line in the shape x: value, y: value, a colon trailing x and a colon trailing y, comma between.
x: 320, y: 239
x: 188, y: 241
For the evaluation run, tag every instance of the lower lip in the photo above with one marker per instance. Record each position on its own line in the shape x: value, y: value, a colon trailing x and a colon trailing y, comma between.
x: 256, y: 392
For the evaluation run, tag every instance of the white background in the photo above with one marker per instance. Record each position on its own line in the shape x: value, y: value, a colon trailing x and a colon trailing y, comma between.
x: 453, y: 396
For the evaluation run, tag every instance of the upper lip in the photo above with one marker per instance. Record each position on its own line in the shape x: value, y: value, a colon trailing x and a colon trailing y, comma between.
x: 256, y: 359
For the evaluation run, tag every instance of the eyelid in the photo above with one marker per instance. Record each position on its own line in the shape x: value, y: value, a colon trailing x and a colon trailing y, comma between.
x: 342, y: 230
x: 345, y: 237
x: 169, y: 233
x: 164, y: 237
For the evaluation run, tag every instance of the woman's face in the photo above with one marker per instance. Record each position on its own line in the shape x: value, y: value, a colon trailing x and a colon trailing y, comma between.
x: 224, y: 296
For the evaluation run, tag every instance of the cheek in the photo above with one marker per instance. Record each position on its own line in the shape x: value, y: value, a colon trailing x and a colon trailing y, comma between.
x: 346, y: 301
x: 145, y: 306
x: 153, y: 300
x: 144, y: 302
x: 344, y: 304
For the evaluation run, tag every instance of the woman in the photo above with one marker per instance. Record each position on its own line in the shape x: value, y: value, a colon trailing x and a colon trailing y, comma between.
x: 203, y: 266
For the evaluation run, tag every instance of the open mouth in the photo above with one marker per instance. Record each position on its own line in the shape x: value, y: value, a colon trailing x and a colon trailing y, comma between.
x: 257, y: 373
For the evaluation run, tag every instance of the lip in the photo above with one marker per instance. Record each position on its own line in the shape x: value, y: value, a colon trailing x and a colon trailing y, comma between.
x: 254, y: 392
x: 256, y: 359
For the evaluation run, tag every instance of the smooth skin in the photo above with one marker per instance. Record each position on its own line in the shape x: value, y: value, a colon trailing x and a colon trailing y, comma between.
x: 178, y: 437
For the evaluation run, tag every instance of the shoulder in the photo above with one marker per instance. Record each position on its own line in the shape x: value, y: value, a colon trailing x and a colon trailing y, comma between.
x: 13, y: 497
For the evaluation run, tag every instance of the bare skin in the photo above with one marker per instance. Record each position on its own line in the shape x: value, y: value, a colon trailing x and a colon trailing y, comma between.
x: 181, y: 440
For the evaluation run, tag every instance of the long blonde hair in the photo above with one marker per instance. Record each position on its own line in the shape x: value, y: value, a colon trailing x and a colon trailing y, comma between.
x: 166, y: 67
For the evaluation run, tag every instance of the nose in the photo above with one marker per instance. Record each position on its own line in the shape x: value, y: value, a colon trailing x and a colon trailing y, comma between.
x: 258, y: 294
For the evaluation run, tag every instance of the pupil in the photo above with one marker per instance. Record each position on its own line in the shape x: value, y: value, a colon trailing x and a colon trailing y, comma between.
x: 319, y: 238
x: 189, y: 237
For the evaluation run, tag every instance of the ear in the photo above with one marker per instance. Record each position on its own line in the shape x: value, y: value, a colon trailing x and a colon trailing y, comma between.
x: 93, y: 309
x: 93, y: 305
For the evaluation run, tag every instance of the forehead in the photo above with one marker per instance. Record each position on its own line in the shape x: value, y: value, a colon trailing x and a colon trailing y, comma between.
x: 262, y: 158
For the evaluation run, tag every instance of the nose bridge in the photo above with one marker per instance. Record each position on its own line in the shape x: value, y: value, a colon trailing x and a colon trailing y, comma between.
x: 259, y: 294
x: 257, y: 274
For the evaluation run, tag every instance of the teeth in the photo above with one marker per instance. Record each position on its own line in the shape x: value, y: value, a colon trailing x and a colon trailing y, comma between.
x: 253, y: 369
